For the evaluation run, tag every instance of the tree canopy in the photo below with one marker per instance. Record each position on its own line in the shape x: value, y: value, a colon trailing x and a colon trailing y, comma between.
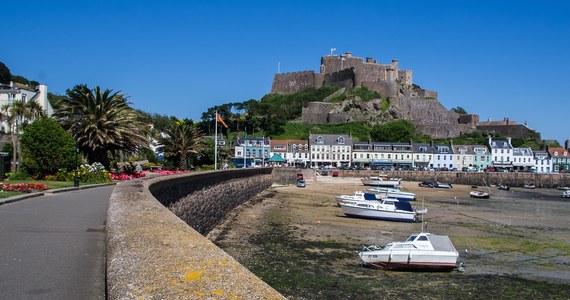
x: 104, y: 123
x: 394, y: 131
x: 46, y: 147
x: 5, y: 75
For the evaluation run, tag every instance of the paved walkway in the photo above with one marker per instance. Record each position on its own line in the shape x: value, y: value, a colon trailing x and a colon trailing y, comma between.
x: 53, y: 246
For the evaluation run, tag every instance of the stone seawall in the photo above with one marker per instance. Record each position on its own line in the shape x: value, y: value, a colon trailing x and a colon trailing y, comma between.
x: 152, y: 254
x: 512, y: 178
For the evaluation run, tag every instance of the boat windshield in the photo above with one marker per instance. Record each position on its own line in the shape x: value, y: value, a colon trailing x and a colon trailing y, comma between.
x: 411, y: 238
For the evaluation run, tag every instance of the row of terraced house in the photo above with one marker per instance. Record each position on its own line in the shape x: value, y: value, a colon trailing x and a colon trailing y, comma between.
x: 339, y: 151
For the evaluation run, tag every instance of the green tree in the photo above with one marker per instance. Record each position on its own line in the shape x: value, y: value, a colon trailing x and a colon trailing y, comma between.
x: 394, y: 131
x: 104, y: 124
x: 18, y: 114
x: 46, y: 148
x: 180, y: 141
x: 5, y: 75
x: 460, y: 110
x: 20, y: 79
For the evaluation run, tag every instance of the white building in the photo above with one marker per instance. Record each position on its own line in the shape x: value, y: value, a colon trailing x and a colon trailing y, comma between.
x: 501, y: 153
x: 443, y: 157
x: 523, y: 160
x: 542, y: 162
x: 15, y: 91
x: 330, y: 149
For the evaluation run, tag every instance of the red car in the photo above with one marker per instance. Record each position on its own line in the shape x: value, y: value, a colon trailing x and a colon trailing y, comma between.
x: 335, y: 173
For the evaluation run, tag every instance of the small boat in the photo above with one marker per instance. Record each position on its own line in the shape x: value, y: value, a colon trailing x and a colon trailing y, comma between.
x: 563, y: 188
x: 565, y: 194
x: 435, y: 184
x: 529, y: 186
x: 384, y: 209
x: 381, y: 181
x: 479, y: 194
x: 503, y: 187
x: 443, y: 185
x: 357, y: 196
x: 393, y: 193
x: 420, y: 251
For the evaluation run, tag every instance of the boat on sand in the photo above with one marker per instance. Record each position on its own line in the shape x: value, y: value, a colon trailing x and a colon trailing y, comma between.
x: 420, y: 251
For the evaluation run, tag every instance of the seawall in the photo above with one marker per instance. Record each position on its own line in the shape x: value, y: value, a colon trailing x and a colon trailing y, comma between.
x: 519, y: 179
x: 153, y: 254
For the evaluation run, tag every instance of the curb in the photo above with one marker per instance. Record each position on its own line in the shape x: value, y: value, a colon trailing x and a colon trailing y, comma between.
x: 49, y: 192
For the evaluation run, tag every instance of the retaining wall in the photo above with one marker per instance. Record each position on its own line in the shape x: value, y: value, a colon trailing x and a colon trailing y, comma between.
x: 473, y: 178
x: 152, y: 254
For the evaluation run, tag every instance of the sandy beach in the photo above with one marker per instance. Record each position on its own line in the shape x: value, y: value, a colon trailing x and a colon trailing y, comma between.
x: 515, y: 244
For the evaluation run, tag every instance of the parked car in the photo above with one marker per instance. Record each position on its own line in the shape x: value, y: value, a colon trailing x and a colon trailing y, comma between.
x: 335, y: 173
x: 301, y: 183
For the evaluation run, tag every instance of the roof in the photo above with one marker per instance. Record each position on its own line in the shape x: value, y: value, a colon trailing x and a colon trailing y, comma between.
x: 559, y: 151
x: 500, y: 144
x: 522, y: 152
x: 276, y: 158
x: 330, y: 139
x: 442, y: 149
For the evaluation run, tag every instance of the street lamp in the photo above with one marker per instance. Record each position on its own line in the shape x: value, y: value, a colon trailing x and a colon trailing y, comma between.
x: 76, y: 116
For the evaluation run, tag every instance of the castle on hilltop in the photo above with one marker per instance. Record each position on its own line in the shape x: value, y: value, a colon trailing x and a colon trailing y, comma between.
x: 346, y: 71
x: 406, y: 100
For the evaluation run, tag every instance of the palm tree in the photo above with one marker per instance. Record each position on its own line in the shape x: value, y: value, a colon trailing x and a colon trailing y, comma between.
x: 103, y: 123
x: 17, y: 114
x: 181, y: 140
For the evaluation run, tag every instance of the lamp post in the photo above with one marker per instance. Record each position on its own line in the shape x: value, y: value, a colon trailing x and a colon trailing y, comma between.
x: 76, y: 116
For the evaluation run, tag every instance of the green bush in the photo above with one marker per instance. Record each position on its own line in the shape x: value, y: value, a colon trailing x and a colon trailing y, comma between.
x: 19, y: 175
x: 46, y: 148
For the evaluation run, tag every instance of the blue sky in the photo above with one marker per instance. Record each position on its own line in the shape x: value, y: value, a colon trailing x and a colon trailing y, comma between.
x: 494, y: 58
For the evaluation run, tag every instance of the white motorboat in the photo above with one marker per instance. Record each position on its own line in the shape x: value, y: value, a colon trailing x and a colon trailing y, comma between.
x: 565, y: 194
x: 381, y: 181
x: 479, y: 194
x: 420, y: 251
x: 530, y: 186
x: 384, y: 209
x: 357, y: 196
x: 394, y: 193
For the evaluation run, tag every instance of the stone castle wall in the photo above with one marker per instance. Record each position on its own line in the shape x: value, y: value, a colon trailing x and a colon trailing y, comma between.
x: 316, y: 112
x: 514, y: 131
x: 290, y: 83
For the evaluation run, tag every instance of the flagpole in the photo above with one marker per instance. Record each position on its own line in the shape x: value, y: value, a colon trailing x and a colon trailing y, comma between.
x: 216, y: 142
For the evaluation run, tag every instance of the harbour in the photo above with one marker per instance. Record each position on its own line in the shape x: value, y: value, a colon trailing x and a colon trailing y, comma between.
x: 514, y: 244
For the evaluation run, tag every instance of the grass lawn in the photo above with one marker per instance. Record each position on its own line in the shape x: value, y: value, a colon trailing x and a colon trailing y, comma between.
x: 51, y: 184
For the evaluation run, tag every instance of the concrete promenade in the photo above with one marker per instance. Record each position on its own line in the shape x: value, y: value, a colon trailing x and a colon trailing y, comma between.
x: 53, y: 246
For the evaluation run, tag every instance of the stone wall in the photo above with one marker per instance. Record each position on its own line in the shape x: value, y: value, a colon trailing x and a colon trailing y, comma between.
x: 515, y: 179
x: 152, y: 254
x: 513, y: 131
x: 316, y: 112
x: 290, y: 83
x: 344, y: 78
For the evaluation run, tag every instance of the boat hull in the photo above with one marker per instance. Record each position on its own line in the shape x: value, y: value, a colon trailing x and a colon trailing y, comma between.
x: 435, y: 260
x: 377, y: 214
x: 380, y: 182
x: 393, y: 194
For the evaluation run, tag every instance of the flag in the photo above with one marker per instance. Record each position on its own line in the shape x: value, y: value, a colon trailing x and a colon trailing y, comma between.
x: 333, y: 49
x: 219, y: 119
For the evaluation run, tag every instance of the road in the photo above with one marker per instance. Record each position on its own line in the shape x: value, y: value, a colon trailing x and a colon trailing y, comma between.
x: 53, y: 246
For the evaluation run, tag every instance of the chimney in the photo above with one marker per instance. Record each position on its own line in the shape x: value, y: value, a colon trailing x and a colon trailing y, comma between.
x: 509, y: 140
x: 507, y: 121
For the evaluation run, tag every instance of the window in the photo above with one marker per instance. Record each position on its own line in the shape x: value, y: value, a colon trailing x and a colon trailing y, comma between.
x: 340, y: 140
x: 320, y: 140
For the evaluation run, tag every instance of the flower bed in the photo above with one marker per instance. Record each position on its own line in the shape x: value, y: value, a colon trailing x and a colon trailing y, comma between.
x: 23, y: 187
x: 128, y: 176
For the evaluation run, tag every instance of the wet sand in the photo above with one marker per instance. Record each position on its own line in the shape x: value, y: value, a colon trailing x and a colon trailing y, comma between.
x: 515, y: 244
